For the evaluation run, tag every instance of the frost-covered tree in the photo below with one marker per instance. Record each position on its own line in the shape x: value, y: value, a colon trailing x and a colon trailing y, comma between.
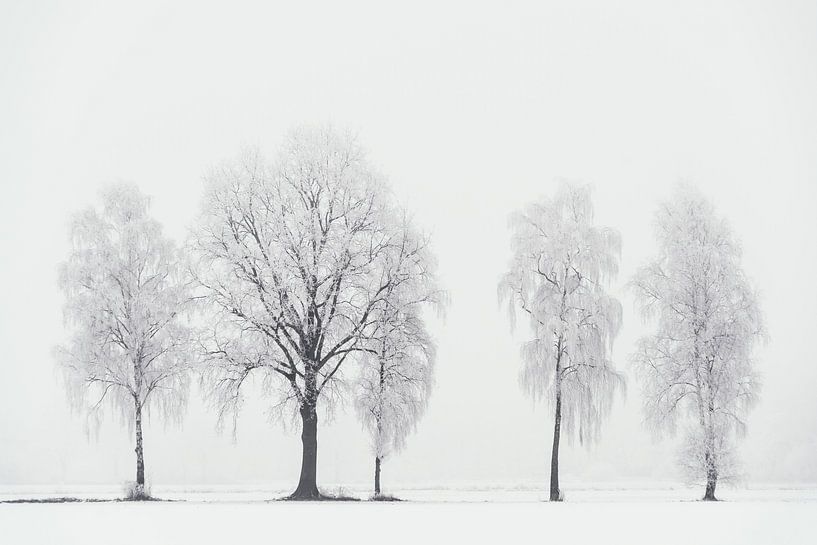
x: 295, y: 259
x: 697, y: 365
x: 397, y: 367
x: 559, y: 267
x: 126, y: 294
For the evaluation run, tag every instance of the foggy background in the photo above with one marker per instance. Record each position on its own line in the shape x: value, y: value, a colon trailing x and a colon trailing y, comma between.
x: 472, y: 111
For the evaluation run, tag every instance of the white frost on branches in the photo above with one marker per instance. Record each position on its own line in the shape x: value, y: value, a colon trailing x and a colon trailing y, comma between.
x: 397, y: 368
x: 698, y: 365
x: 559, y: 268
x: 295, y: 261
x: 125, y: 297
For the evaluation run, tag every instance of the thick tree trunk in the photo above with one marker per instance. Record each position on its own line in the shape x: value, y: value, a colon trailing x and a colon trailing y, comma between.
x: 377, y: 475
x: 711, y: 478
x: 308, y: 484
x: 711, y: 482
x: 555, y: 493
x: 140, y: 457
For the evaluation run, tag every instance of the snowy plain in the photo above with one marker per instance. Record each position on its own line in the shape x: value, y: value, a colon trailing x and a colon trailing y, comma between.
x: 614, y: 513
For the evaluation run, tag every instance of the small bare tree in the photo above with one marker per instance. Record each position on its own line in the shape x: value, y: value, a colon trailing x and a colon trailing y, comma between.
x: 560, y: 264
x: 698, y: 363
x: 397, y: 367
x: 125, y: 295
x: 296, y: 261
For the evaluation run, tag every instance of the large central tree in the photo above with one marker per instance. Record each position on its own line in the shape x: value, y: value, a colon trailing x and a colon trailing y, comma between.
x: 296, y: 258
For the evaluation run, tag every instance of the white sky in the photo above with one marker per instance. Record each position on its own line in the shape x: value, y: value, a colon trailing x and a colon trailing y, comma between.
x: 471, y: 110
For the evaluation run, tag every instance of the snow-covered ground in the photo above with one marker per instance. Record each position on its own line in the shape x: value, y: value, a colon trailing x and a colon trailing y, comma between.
x: 582, y: 493
x: 487, y: 514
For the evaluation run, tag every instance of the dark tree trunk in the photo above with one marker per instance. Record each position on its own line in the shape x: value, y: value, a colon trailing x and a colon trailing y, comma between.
x: 140, y: 456
x: 711, y: 482
x: 382, y: 372
x: 711, y: 479
x: 308, y: 484
x: 709, y: 455
x: 377, y: 475
x: 555, y: 493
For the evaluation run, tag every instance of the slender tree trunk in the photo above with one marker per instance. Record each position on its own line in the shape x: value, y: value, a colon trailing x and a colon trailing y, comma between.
x: 140, y: 457
x: 710, y: 456
x: 307, y: 484
x: 555, y: 494
x: 377, y: 475
x: 711, y: 467
x: 382, y: 373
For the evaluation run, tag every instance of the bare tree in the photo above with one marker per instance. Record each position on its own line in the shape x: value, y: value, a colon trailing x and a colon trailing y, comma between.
x: 125, y: 295
x: 556, y: 277
x: 698, y: 363
x: 397, y: 370
x: 295, y: 261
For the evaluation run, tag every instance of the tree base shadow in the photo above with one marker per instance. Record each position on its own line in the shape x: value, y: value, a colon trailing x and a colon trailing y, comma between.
x: 67, y: 499
x: 142, y: 498
x: 384, y: 497
x: 319, y: 497
x: 56, y: 500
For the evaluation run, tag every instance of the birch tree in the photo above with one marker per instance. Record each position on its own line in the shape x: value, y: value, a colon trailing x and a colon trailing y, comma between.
x: 125, y: 296
x: 697, y: 365
x: 397, y: 369
x: 294, y: 260
x: 559, y: 267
